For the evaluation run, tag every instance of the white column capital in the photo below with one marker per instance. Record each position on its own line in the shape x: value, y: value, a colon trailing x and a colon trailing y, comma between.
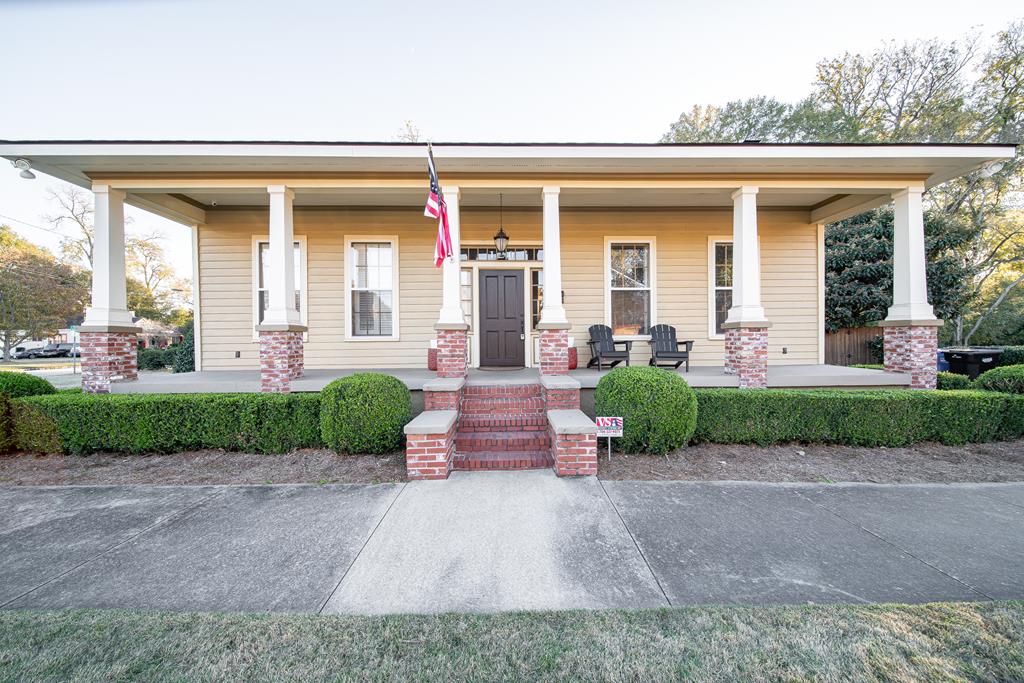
x: 453, y: 191
x: 743, y: 190
x: 107, y: 190
x: 281, y: 189
x: 908, y: 191
x: 551, y: 190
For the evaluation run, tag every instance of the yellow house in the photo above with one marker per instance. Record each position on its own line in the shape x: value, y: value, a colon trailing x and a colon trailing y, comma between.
x: 313, y: 259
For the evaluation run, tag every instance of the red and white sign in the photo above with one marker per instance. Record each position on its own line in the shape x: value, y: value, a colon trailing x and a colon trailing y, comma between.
x: 609, y: 426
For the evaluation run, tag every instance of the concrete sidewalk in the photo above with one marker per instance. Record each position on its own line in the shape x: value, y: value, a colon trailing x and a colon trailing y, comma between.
x: 505, y: 541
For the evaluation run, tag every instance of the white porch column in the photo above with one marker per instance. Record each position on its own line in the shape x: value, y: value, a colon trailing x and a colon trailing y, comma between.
x: 746, y: 308
x: 552, y: 313
x: 451, y: 307
x: 281, y: 311
x: 109, y: 311
x: 909, y: 281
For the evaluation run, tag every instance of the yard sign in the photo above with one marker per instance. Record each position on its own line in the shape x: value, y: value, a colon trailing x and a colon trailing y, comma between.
x: 609, y: 427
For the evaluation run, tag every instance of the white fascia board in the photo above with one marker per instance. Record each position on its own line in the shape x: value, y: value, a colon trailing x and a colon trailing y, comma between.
x: 978, y: 155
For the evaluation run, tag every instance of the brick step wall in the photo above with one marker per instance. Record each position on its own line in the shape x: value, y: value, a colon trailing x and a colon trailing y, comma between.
x: 478, y: 442
x: 505, y: 422
x: 501, y: 391
x: 473, y: 405
x: 509, y: 460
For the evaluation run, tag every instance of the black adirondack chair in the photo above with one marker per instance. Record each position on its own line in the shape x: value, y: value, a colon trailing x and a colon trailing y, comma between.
x: 665, y: 349
x: 604, y: 349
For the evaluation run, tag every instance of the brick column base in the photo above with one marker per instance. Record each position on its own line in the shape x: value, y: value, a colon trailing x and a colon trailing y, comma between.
x: 107, y: 357
x: 746, y: 355
x: 560, y: 392
x: 281, y: 360
x: 554, y: 352
x: 574, y: 454
x: 912, y: 349
x: 451, y: 353
x: 430, y: 456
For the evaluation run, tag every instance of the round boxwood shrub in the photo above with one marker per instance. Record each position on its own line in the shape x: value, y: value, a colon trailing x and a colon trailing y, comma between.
x: 952, y: 381
x: 1007, y: 378
x: 18, y: 384
x: 364, y: 413
x: 659, y: 408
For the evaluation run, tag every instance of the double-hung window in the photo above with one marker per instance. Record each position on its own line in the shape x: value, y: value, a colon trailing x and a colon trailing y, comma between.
x: 720, y: 268
x: 371, y: 276
x: 630, y: 278
x: 261, y: 278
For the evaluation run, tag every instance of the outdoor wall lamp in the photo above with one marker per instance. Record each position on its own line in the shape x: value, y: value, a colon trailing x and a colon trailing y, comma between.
x: 25, y: 166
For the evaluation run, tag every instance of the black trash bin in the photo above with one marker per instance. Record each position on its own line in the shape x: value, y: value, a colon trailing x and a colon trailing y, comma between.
x: 972, y: 361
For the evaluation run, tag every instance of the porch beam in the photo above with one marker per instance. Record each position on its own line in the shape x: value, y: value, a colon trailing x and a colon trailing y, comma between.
x: 746, y: 310
x: 847, y: 206
x: 451, y: 306
x: 885, y: 184
x: 168, y: 207
x: 552, y: 314
x: 281, y: 314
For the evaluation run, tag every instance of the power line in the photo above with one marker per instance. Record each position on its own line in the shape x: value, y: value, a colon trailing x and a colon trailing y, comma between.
x: 32, y: 225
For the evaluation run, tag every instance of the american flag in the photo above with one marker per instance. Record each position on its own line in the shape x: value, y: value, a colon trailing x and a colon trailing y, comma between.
x: 436, y: 208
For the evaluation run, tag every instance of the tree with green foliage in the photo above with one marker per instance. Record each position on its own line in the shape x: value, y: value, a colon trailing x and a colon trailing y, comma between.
x: 959, y: 91
x: 858, y: 267
x: 185, y: 352
x: 38, y: 293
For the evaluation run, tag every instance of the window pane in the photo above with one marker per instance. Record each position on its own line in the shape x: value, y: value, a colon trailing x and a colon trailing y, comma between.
x: 371, y: 314
x: 264, y: 266
x: 629, y: 265
x: 723, y: 265
x: 263, y: 277
x: 536, y: 295
x: 466, y: 294
x: 723, y: 302
x: 631, y: 311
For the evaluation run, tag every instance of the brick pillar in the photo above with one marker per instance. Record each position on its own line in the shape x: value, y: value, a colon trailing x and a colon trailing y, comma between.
x: 575, y: 454
x: 107, y: 357
x: 278, y: 362
x: 746, y: 355
x: 911, y: 349
x: 554, y: 352
x: 430, y: 444
x: 451, y: 353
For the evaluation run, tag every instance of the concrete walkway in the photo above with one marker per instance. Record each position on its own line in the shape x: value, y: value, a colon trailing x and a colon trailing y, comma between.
x: 505, y: 541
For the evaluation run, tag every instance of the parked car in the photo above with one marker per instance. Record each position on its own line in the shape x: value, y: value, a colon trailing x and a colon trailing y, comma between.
x: 22, y: 354
x: 69, y: 350
x: 50, y: 351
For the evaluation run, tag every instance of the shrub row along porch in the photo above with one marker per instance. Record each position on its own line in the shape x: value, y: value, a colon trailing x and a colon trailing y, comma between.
x: 317, y: 256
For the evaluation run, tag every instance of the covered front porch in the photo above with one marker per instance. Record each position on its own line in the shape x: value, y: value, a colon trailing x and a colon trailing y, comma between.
x: 779, y: 377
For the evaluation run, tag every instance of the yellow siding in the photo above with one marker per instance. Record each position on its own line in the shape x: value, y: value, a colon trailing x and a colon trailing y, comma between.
x: 789, y: 278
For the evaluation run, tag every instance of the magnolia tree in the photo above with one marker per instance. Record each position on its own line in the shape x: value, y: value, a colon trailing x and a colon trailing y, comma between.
x: 966, y: 91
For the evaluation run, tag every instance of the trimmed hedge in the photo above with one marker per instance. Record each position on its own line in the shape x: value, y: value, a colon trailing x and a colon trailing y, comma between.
x: 140, y: 423
x: 365, y: 413
x: 659, y: 408
x: 153, y: 359
x: 861, y: 418
x: 1008, y: 378
x: 1012, y: 355
x: 951, y: 380
x: 18, y: 384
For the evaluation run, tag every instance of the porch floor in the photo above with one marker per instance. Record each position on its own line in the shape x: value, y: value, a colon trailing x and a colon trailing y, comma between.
x: 232, y: 381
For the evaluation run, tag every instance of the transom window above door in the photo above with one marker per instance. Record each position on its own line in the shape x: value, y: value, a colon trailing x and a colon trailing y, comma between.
x: 630, y: 279
x: 371, y: 281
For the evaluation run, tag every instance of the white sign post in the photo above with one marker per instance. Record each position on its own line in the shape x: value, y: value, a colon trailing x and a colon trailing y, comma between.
x: 609, y: 427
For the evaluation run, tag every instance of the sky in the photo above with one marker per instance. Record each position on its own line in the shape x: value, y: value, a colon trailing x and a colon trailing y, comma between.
x: 539, y: 71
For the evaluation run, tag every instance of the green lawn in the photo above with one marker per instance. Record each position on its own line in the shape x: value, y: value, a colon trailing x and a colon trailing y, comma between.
x: 939, y: 642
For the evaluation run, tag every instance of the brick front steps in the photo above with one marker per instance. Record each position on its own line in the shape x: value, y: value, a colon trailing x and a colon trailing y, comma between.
x: 501, y: 427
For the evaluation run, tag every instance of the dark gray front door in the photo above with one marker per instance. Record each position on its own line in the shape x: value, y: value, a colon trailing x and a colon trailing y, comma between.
x: 501, y: 318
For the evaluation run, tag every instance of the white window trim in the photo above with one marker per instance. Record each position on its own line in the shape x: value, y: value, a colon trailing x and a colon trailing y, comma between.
x: 395, y: 328
x: 714, y: 240
x: 629, y: 239
x: 301, y: 278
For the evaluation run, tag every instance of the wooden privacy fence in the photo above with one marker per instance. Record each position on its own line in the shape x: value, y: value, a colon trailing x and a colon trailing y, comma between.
x: 849, y: 346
